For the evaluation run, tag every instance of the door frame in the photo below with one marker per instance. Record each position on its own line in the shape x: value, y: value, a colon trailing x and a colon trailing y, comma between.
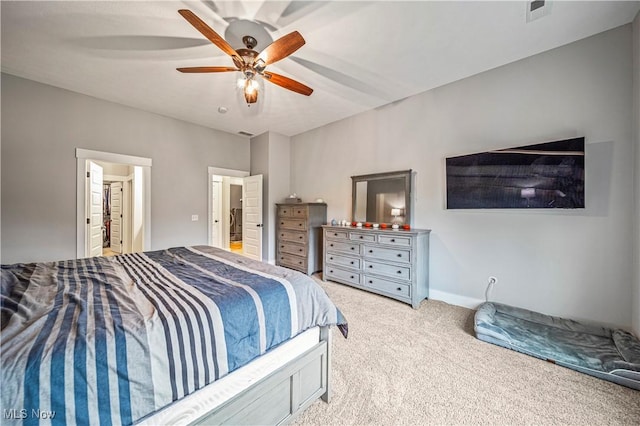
x: 218, y: 171
x: 82, y: 155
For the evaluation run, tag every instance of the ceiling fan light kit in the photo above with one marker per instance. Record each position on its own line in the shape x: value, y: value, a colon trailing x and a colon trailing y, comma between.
x: 249, y: 62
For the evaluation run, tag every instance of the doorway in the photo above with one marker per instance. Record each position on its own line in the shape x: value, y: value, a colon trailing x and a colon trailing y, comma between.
x: 235, y: 204
x: 113, y: 203
x: 235, y: 217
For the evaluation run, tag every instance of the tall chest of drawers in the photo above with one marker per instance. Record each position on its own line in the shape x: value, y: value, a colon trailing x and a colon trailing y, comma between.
x: 299, y: 236
x: 393, y: 263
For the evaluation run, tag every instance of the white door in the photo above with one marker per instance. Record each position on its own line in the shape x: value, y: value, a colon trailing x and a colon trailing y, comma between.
x: 116, y: 217
x: 216, y: 211
x: 252, y: 216
x: 94, y: 221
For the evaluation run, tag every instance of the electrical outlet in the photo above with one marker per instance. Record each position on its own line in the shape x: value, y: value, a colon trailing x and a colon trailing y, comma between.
x: 194, y: 217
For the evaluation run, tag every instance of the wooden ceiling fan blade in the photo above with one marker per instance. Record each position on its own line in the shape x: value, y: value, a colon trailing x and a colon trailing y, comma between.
x: 281, y: 48
x: 208, y: 32
x: 288, y: 83
x: 206, y: 69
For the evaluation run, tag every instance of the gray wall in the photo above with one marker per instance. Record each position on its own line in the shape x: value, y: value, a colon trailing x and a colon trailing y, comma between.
x: 260, y: 166
x: 41, y: 127
x: 636, y: 117
x: 270, y: 156
x: 572, y: 263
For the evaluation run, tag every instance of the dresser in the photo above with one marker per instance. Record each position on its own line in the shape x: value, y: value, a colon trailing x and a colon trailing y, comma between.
x: 299, y: 236
x: 390, y: 262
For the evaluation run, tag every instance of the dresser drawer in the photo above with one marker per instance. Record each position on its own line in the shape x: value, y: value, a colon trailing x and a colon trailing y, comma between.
x: 337, y: 235
x: 290, y: 248
x: 342, y: 275
x: 338, y: 259
x: 285, y: 211
x: 395, y: 240
x: 391, y: 287
x: 399, y: 272
x: 290, y: 261
x: 361, y: 236
x: 301, y: 212
x: 292, y: 236
x: 299, y: 224
x: 396, y: 255
x: 345, y: 247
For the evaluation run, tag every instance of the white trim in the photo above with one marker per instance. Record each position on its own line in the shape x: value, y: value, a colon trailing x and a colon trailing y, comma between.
x: 455, y: 299
x: 110, y: 157
x: 82, y: 155
x: 116, y: 178
x: 226, y: 172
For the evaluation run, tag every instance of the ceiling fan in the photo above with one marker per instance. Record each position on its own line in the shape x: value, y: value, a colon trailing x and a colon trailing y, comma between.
x: 250, y: 62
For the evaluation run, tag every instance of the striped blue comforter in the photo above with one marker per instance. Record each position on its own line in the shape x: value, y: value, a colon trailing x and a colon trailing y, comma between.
x: 110, y: 340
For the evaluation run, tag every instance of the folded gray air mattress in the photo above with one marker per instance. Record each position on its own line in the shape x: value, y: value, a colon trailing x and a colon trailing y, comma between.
x: 609, y: 354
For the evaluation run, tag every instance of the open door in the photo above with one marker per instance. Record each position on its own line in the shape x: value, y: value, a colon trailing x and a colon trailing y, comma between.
x: 94, y: 213
x: 116, y: 236
x: 216, y: 212
x: 252, y: 216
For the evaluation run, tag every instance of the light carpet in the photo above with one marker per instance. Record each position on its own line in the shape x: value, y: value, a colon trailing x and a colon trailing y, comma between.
x: 402, y: 366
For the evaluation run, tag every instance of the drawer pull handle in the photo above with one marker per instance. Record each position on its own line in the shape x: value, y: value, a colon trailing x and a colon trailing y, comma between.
x: 352, y: 262
x: 300, y: 237
x: 361, y: 237
x: 399, y: 288
x: 300, y: 249
x: 399, y: 272
x: 300, y: 263
x: 393, y: 240
x: 370, y: 282
x: 281, y: 223
x: 352, y: 276
x: 399, y: 254
x: 331, y: 270
x: 370, y: 251
x: 331, y: 258
x: 353, y: 248
x: 299, y: 224
x: 331, y: 244
x: 335, y: 234
x: 370, y: 266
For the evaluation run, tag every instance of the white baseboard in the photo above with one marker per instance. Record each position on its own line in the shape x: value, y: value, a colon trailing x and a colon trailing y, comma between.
x: 455, y: 299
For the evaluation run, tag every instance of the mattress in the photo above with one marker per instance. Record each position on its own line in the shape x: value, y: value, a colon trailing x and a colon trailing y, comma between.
x: 609, y: 354
x: 111, y: 340
x: 189, y: 409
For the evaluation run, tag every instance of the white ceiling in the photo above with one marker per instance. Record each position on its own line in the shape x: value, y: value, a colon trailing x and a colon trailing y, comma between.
x: 358, y: 55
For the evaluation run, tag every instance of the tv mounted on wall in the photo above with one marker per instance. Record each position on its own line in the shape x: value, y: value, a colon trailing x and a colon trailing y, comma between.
x: 546, y: 175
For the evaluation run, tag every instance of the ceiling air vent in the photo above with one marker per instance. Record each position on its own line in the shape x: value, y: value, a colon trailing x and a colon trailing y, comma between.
x: 536, y: 9
x: 243, y: 133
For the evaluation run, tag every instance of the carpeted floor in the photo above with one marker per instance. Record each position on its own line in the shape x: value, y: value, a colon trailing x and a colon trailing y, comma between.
x: 414, y: 367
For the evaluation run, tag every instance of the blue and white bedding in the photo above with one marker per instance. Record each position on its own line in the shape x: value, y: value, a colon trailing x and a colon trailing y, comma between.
x: 110, y: 340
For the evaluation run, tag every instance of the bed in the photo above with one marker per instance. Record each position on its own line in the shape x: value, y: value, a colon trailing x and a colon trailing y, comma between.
x: 609, y: 354
x: 183, y: 335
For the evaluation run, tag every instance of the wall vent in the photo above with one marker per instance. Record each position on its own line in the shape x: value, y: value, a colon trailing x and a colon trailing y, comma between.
x: 537, y: 9
x: 243, y: 133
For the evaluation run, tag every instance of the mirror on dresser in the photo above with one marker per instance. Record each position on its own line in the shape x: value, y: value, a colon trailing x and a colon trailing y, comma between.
x: 382, y: 198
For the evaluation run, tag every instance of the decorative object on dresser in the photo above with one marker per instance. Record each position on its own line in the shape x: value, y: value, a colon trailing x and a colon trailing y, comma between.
x: 299, y: 236
x: 393, y: 263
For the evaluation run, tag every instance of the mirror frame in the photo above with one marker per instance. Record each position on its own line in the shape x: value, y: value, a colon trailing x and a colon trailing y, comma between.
x: 407, y: 175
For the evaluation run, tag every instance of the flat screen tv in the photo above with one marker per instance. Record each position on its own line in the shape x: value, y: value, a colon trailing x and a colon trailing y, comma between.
x: 542, y: 176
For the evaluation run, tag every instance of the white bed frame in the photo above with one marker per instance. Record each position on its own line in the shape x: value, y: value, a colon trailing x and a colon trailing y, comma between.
x: 272, y: 389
